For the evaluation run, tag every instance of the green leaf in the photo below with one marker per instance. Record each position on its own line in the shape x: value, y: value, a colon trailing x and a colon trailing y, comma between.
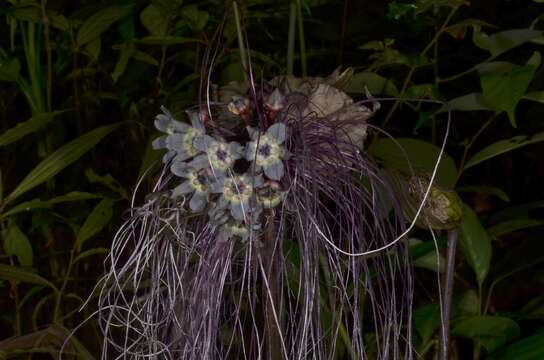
x: 80, y: 349
x: 490, y: 331
x: 145, y: 57
x: 16, y: 243
x: 469, y: 304
x: 60, y: 159
x: 73, y: 196
x: 99, y: 22
x: 502, y: 90
x: 535, y: 59
x: 516, y: 212
x: 93, y: 48
x: 422, y: 156
x: 489, y: 190
x: 25, y: 206
x: 9, y: 69
x: 90, y: 252
x: 126, y: 51
x: 107, y: 181
x: 422, y: 91
x: 13, y: 273
x: 503, y: 146
x: 475, y: 243
x: 167, y: 40
x: 529, y: 348
x: 510, y: 226
x: 469, y: 102
x: 195, y: 18
x: 30, y: 293
x: 503, y: 41
x: 155, y: 20
x: 34, y: 14
x: 46, y: 204
x: 537, y: 96
x: 97, y: 220
x: 22, y: 129
x: 427, y: 321
x: 427, y: 260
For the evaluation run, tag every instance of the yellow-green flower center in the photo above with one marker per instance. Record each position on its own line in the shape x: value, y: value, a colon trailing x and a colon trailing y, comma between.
x: 220, y: 156
x: 198, y: 181
x: 188, y: 138
x: 237, y: 190
x: 267, y: 152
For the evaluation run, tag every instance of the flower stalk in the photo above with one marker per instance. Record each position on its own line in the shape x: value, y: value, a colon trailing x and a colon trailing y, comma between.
x: 271, y: 257
x: 448, y: 293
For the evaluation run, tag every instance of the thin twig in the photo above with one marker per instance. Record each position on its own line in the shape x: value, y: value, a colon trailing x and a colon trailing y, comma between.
x: 448, y: 293
x: 291, y: 38
x: 241, y: 43
x: 49, y: 54
x: 270, y: 256
x: 301, y: 40
x: 414, y: 67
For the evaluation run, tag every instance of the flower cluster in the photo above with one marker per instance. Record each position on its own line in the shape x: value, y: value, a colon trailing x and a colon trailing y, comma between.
x: 210, y: 183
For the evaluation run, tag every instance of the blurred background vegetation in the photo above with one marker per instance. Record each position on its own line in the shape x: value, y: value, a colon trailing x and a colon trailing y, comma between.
x: 80, y: 83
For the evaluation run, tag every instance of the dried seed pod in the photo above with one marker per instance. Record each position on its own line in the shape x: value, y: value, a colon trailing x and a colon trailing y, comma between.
x: 442, y: 209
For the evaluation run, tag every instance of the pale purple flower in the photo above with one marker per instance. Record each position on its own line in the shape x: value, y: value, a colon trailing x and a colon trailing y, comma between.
x: 266, y: 150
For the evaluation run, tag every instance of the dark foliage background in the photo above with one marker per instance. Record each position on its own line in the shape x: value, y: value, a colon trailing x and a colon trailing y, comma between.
x: 80, y: 83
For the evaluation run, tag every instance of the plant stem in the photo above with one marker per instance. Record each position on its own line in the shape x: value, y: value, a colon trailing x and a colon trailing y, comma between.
x: 466, y: 72
x: 471, y: 143
x: 271, y: 252
x: 414, y: 67
x: 301, y: 40
x: 291, y: 38
x: 49, y: 55
x: 56, y: 313
x: 448, y: 293
x: 343, y: 31
x: 241, y: 44
x: 15, y: 292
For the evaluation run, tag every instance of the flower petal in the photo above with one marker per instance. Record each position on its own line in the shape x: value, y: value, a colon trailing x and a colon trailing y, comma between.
x: 216, y: 187
x: 161, y: 122
x: 249, y: 152
x: 238, y: 210
x: 175, y: 142
x: 198, y: 201
x: 200, y: 162
x: 179, y: 168
x: 203, y: 142
x: 258, y: 181
x: 277, y: 131
x: 274, y: 171
x: 159, y: 143
x: 235, y: 149
x: 253, y: 132
x: 196, y: 119
x: 182, y: 189
x: 166, y: 123
x: 181, y: 155
x: 169, y: 155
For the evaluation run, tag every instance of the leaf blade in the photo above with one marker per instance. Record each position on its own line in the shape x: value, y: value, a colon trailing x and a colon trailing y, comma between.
x: 25, y: 128
x: 95, y: 222
x: 503, y: 146
x: 13, y: 273
x: 60, y: 159
x: 475, y: 244
x: 99, y: 22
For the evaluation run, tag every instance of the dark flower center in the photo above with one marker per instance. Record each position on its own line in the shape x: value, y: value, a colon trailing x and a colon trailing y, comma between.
x: 221, y: 154
x: 201, y: 179
x: 238, y: 188
x: 264, y: 150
